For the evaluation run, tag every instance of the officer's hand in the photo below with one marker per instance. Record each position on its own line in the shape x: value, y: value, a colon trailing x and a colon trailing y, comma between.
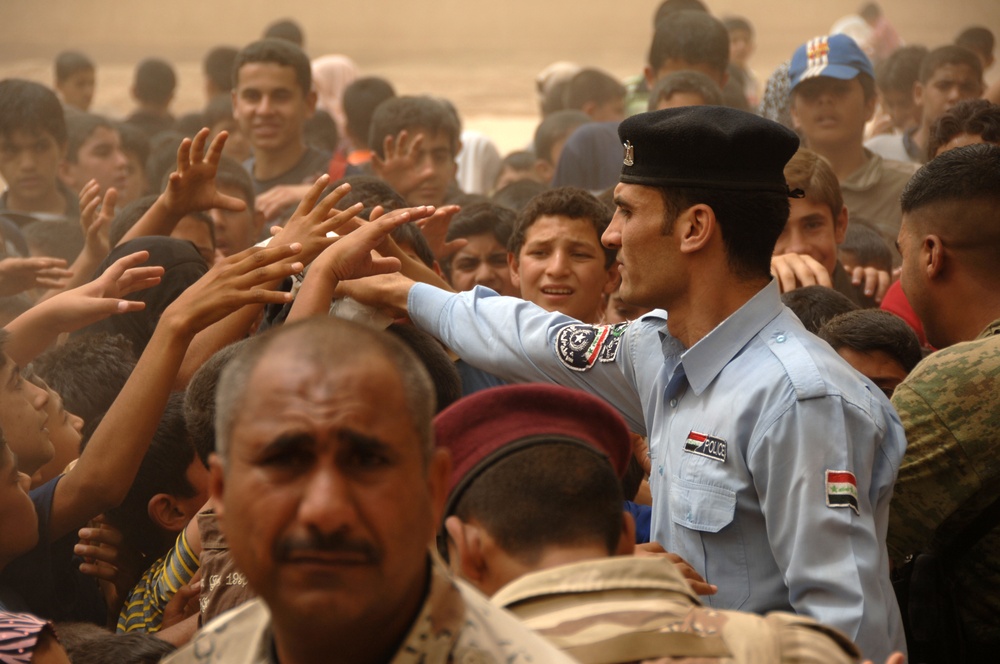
x: 695, y: 580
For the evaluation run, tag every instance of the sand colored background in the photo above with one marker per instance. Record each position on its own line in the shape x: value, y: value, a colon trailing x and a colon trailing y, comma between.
x: 481, y: 55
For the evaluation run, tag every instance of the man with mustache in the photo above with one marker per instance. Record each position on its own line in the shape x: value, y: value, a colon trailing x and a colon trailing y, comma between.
x: 329, y: 490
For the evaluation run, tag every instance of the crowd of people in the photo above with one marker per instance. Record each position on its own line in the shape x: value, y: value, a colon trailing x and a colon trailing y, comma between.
x: 710, y: 370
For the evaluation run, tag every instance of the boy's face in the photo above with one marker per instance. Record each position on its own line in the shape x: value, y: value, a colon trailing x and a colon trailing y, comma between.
x: 434, y: 169
x: 135, y: 180
x: 270, y: 107
x: 17, y: 513
x: 235, y: 230
x: 740, y: 46
x: 830, y: 111
x: 77, y: 89
x: 812, y: 230
x: 948, y: 85
x: 23, y: 419
x: 902, y: 109
x: 482, y: 262
x: 561, y: 267
x: 101, y: 158
x: 29, y: 164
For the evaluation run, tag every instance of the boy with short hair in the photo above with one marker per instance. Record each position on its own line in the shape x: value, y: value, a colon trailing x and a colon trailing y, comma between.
x: 684, y: 88
x: 833, y: 96
x: 75, y: 79
x: 153, y: 91
x: 94, y: 152
x: 33, y: 144
x: 415, y: 141
x: 596, y: 93
x: 556, y: 257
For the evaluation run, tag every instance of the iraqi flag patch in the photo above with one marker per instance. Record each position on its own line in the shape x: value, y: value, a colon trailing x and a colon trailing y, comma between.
x: 842, y: 490
x: 580, y: 346
x: 706, y: 446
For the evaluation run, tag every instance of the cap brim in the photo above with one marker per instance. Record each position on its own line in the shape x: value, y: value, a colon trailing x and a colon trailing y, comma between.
x: 842, y: 72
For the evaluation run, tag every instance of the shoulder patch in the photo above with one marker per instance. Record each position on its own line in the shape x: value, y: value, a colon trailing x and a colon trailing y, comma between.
x: 842, y: 490
x: 579, y: 346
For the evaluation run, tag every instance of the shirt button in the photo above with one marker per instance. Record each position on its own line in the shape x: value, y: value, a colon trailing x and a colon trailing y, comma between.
x: 780, y: 338
x: 661, y: 470
x: 673, y: 403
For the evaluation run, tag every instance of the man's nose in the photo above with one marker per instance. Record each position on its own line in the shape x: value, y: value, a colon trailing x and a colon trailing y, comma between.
x: 326, y: 503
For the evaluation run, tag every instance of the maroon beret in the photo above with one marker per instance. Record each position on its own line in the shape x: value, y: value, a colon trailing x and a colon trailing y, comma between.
x: 489, y: 425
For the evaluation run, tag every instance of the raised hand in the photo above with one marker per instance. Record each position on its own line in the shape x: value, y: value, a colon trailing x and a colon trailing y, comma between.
x: 20, y: 274
x: 399, y: 165
x: 191, y: 188
x: 96, y: 224
x: 435, y: 229
x: 798, y: 270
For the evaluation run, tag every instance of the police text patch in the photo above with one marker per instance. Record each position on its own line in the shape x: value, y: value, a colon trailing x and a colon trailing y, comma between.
x: 842, y: 490
x: 580, y: 346
x: 706, y: 446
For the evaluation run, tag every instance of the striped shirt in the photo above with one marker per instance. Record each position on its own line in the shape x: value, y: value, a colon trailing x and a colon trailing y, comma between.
x: 143, y: 609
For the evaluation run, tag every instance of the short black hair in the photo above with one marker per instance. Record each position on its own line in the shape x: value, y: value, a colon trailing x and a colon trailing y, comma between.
x: 86, y: 643
x: 866, y: 247
x: 411, y: 113
x: 949, y: 55
x: 279, y: 52
x: 868, y: 330
x: 360, y: 100
x: 218, y: 66
x: 686, y: 81
x: 26, y: 106
x: 546, y: 495
x: 370, y: 191
x: 668, y: 7
x: 155, y: 81
x: 694, y: 37
x: 961, y: 175
x: 976, y: 117
x: 732, y: 23
x: 590, y: 85
x: 134, y: 141
x: 88, y: 372
x: 482, y: 218
x: 977, y: 38
x: 199, y: 400
x: 285, y: 29
x: 571, y: 202
x: 69, y: 63
x: 517, y: 195
x: 901, y: 70
x: 556, y: 126
x: 79, y: 127
x: 814, y: 305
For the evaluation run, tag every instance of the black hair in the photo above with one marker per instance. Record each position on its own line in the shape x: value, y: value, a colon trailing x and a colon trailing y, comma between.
x: 976, y: 117
x: 866, y: 247
x: 949, y: 55
x: 285, y: 29
x: 411, y: 235
x: 556, y: 126
x: 155, y: 81
x: 517, y: 195
x: 69, y: 63
x: 482, y: 218
x: 591, y: 85
x: 549, y: 494
x: 320, y: 132
x: 232, y: 174
x: 276, y: 51
x: 978, y: 39
x: 199, y: 400
x: 901, y: 70
x: 961, y: 175
x: 218, y: 66
x: 686, y: 81
x: 519, y: 160
x: 693, y: 37
x: 814, y: 305
x: 88, y: 372
x: 56, y: 238
x: 134, y: 141
x: 360, y: 99
x: 412, y: 113
x: 370, y: 191
x: 870, y: 11
x: 86, y: 643
x: 444, y: 375
x: 569, y: 202
x: 732, y: 23
x: 867, y: 330
x: 668, y: 7
x: 163, y: 470
x: 26, y: 106
x: 79, y: 127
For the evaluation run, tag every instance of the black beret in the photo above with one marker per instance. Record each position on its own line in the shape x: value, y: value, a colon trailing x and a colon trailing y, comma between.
x: 713, y: 147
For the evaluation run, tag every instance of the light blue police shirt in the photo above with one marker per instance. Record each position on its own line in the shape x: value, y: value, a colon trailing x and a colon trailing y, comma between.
x: 773, y: 461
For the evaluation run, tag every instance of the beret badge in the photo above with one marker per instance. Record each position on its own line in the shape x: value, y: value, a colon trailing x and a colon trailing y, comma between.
x: 629, y: 153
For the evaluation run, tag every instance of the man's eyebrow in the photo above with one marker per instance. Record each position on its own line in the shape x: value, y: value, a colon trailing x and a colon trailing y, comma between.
x: 284, y: 443
x: 364, y: 441
x: 621, y: 202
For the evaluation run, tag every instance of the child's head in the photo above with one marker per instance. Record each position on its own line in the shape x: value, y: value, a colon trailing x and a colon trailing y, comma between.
x: 483, y: 260
x: 75, y: 79
x: 684, y: 88
x: 556, y: 256
x: 816, y: 223
x: 895, y: 77
x: 32, y: 139
x: 94, y: 152
x: 741, y: 42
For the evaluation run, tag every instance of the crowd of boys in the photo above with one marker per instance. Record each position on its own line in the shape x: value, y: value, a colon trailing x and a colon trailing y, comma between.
x: 697, y: 374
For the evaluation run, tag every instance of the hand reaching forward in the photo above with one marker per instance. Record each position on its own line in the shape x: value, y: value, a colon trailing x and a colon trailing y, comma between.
x: 20, y: 274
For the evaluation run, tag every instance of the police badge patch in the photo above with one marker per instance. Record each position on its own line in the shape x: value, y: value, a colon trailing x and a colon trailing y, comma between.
x: 707, y: 446
x: 580, y: 346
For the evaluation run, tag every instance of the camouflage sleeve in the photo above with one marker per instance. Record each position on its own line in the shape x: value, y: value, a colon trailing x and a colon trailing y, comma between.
x: 936, y: 476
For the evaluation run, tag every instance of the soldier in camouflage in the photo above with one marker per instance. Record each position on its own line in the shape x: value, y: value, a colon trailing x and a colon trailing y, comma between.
x: 950, y: 404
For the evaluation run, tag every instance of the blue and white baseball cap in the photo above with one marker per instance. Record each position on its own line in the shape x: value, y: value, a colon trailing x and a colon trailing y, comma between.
x: 834, y: 56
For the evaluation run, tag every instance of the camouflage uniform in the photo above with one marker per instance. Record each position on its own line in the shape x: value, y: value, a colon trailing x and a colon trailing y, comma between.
x: 455, y: 624
x: 627, y: 609
x: 950, y: 408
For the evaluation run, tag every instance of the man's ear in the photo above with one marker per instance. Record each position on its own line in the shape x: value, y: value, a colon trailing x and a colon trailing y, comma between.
x: 932, y: 256
x: 626, y: 540
x: 466, y: 547
x: 697, y: 228
x: 514, y: 265
x: 840, y: 225
x: 216, y: 484
x: 165, y: 512
x: 612, y: 285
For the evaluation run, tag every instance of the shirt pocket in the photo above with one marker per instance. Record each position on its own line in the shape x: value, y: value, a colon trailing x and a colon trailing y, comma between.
x: 706, y: 533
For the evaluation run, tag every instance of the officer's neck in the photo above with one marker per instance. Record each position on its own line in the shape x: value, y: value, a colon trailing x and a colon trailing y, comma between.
x: 705, y: 304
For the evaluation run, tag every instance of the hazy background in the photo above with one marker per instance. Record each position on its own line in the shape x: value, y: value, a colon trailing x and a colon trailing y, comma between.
x: 481, y: 55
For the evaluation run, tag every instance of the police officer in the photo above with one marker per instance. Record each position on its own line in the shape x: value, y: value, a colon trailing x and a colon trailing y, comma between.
x: 772, y: 461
